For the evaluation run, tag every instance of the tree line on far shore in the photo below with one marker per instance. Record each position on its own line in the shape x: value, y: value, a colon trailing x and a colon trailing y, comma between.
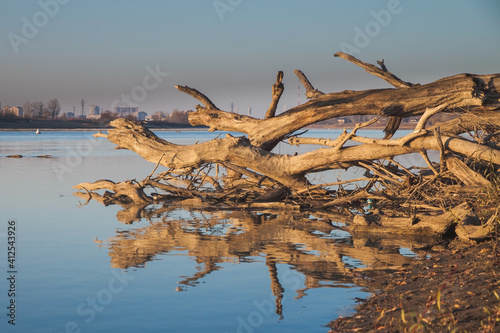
x: 175, y: 117
x: 49, y: 110
x: 52, y: 110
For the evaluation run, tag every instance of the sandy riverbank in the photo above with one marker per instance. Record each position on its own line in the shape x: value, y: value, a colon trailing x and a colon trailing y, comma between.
x: 453, y: 289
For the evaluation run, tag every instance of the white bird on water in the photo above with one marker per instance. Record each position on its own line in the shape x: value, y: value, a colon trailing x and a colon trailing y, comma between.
x: 37, y: 131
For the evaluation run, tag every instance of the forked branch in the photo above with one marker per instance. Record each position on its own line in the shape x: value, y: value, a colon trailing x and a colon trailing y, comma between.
x: 381, y: 73
x: 310, y: 91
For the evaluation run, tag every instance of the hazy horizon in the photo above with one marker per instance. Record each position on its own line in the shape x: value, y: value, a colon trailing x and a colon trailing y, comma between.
x: 231, y: 50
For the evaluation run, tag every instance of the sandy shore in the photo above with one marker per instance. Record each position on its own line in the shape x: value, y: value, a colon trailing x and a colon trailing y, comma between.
x: 454, y: 288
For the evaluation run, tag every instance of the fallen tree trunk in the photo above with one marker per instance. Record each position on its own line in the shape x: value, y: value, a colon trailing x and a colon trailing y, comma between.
x: 418, y: 224
x: 259, y: 178
x: 458, y: 92
x: 288, y: 170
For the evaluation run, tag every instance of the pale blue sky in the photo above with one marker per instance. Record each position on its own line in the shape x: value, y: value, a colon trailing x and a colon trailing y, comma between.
x: 100, y: 50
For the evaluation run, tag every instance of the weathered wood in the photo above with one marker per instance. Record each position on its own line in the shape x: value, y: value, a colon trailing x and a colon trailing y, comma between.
x: 130, y: 189
x: 419, y: 224
x: 424, y: 155
x: 383, y: 73
x: 288, y: 170
x: 310, y: 91
x: 260, y: 179
x: 471, y: 121
x: 473, y: 230
x: 474, y: 92
x: 198, y: 95
x: 392, y: 126
x: 465, y: 174
x: 455, y: 91
x: 278, y: 89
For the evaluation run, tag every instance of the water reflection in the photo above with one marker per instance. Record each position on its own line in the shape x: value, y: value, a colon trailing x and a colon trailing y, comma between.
x: 310, y: 245
x: 246, y: 260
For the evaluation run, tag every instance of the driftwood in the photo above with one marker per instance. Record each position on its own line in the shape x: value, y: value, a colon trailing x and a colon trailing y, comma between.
x: 417, y: 224
x: 257, y: 177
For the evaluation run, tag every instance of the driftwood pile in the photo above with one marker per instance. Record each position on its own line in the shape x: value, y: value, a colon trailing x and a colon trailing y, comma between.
x: 459, y: 194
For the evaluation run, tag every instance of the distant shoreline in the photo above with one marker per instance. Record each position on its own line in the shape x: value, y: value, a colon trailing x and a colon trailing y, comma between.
x: 98, y: 129
x: 19, y: 124
x: 25, y: 125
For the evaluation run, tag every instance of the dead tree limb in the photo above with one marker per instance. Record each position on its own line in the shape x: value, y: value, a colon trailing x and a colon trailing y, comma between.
x: 278, y: 89
x: 130, y: 189
x: 198, y: 95
x: 423, y: 153
x: 288, y: 170
x: 310, y: 91
x: 455, y: 91
x: 382, y: 73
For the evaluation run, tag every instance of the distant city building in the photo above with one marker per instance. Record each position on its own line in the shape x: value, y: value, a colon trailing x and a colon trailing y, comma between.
x: 70, y: 114
x: 94, y: 112
x: 123, y: 111
x: 16, y: 111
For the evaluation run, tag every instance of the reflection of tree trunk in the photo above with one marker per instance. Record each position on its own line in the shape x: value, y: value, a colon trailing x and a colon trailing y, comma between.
x: 276, y: 287
x: 209, y: 266
x: 277, y: 237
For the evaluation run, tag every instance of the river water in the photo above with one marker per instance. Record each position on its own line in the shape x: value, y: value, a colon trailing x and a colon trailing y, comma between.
x: 85, y: 267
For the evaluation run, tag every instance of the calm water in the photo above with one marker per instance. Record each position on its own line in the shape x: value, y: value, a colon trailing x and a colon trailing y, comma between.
x: 85, y: 267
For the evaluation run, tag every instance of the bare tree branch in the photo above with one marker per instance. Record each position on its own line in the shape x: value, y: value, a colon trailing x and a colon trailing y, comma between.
x: 381, y: 73
x: 310, y: 91
x: 198, y: 95
x: 278, y: 89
